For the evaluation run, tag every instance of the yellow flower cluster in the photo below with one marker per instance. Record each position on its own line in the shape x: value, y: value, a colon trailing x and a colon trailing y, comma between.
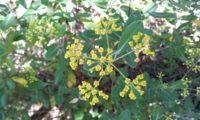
x: 193, y: 57
x: 101, y: 61
x: 140, y: 43
x: 185, y: 91
x: 138, y: 84
x: 106, y: 26
x: 74, y: 53
x: 30, y: 74
x: 39, y: 31
x: 92, y: 93
x: 160, y: 75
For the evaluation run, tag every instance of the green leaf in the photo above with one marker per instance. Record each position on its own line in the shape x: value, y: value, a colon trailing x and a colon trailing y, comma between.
x: 105, y: 116
x: 4, y: 8
x: 1, y: 50
x: 30, y: 12
x: 60, y: 68
x: 176, y: 85
x: 156, y: 112
x: 125, y: 115
x: 8, y: 21
x: 51, y: 51
x: 25, y: 3
x: 10, y: 84
x: 11, y: 36
x: 20, y: 80
x: 37, y: 85
x: 178, y: 4
x: 162, y: 15
x: 71, y: 78
x: 136, y: 15
x: 3, y: 100
x: 61, y: 31
x: 130, y: 60
x: 79, y: 115
x: 130, y: 30
x: 45, y: 2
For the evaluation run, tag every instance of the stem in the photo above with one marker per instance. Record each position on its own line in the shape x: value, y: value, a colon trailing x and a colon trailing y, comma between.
x: 189, y: 70
x: 107, y: 41
x: 123, y: 56
x: 100, y: 78
x: 119, y: 71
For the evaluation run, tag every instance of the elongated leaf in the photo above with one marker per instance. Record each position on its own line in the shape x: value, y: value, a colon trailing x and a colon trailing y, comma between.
x: 162, y: 15
x: 51, y: 51
x: 156, y: 112
x: 61, y: 31
x: 178, y: 4
x: 20, y: 80
x: 125, y: 115
x: 10, y: 84
x: 37, y: 85
x: 4, y: 8
x: 45, y: 2
x: 130, y: 60
x: 60, y: 68
x: 8, y: 21
x: 177, y: 85
x: 1, y: 50
x: 133, y: 28
x: 71, y: 78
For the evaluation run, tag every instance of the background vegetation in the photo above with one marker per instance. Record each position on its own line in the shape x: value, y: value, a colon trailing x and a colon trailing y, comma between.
x: 38, y: 79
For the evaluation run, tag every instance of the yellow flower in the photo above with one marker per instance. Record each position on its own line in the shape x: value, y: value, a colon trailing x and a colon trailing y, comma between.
x: 109, y: 51
x: 126, y: 88
x: 105, y: 96
x: 110, y: 58
x: 102, y: 59
x: 138, y: 83
x: 109, y: 69
x: 98, y: 67
x: 91, y: 93
x: 96, y: 83
x: 138, y: 46
x: 137, y: 87
x: 94, y: 92
x: 141, y: 92
x: 130, y: 44
x: 89, y: 62
x: 74, y: 54
x: 105, y: 26
x: 143, y: 83
x: 101, y: 62
x: 100, y: 50
x: 103, y: 31
x: 102, y: 73
x: 132, y: 95
x: 122, y: 94
x: 141, y: 76
x: 141, y: 45
x: 127, y: 80
x: 146, y: 37
x: 81, y: 61
x: 137, y: 60
x: 135, y: 81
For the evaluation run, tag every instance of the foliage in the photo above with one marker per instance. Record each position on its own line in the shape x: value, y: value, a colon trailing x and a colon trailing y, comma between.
x: 100, y: 59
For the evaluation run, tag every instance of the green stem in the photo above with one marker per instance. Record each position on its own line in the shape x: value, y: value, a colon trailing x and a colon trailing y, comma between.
x: 123, y: 56
x: 119, y: 71
x: 107, y: 41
